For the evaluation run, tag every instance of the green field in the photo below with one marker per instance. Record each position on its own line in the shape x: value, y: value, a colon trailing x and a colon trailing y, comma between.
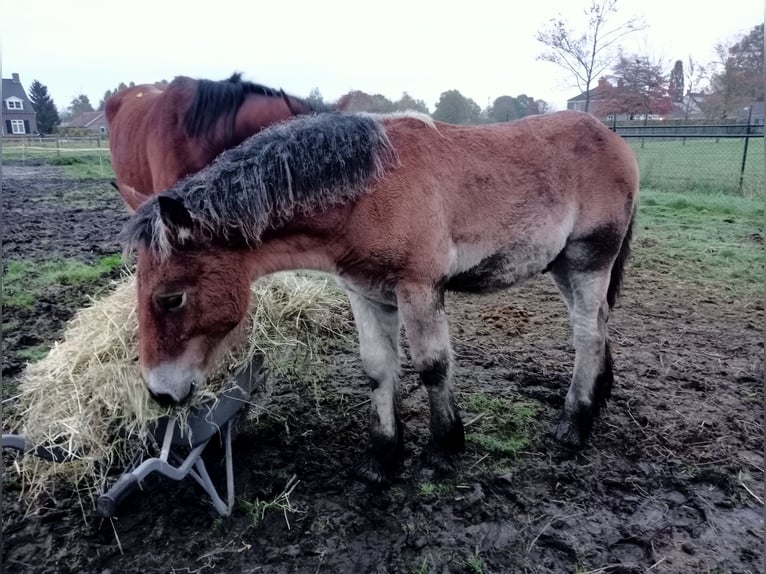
x: 709, y: 240
x: 703, y: 165
x: 80, y: 158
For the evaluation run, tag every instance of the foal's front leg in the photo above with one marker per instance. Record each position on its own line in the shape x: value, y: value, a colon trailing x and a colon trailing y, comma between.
x: 425, y: 321
x: 378, y: 327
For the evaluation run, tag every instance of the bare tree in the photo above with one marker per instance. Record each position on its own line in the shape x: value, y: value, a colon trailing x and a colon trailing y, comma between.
x: 588, y: 54
x: 694, y: 74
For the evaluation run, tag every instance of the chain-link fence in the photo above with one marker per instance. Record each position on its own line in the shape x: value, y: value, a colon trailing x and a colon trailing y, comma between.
x: 716, y: 158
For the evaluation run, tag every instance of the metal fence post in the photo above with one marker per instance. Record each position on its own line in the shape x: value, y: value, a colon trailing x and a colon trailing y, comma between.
x: 744, y: 152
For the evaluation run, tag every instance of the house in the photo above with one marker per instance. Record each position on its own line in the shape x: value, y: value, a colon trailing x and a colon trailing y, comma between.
x: 596, y: 94
x: 18, y: 116
x: 93, y: 122
x: 690, y: 108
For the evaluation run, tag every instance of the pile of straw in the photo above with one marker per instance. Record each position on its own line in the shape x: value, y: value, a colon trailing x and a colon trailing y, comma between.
x: 87, y: 396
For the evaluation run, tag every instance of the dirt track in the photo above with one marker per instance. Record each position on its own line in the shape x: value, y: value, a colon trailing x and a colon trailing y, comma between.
x: 662, y: 486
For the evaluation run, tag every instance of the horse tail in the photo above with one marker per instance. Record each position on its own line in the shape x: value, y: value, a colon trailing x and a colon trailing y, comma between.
x: 615, y: 281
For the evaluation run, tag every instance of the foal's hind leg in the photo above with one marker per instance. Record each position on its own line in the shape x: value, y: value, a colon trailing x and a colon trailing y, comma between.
x: 378, y: 327
x: 585, y: 294
x: 422, y: 310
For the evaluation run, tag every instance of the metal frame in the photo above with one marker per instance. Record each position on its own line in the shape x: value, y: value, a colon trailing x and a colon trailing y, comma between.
x: 202, y: 425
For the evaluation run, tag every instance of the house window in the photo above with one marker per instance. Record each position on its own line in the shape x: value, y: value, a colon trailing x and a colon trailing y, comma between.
x: 14, y: 104
x: 17, y: 127
x: 579, y: 106
x: 102, y: 129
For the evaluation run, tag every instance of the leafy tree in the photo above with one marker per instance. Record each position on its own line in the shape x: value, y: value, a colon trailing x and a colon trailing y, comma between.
x: 641, y: 89
x: 507, y: 108
x: 80, y: 105
x: 737, y: 77
x: 46, y: 112
x: 504, y: 109
x: 454, y: 108
x: 747, y: 63
x: 407, y: 102
x: 315, y: 97
x: 358, y: 101
x: 543, y: 107
x: 587, y: 54
x: 676, y: 87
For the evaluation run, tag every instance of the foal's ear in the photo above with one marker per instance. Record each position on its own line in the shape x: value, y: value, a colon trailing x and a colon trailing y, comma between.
x: 175, y: 216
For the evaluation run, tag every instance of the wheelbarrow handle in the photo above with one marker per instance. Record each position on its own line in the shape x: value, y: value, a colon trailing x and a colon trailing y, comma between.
x: 108, y: 502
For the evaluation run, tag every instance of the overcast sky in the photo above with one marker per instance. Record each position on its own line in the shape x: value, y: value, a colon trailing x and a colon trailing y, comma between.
x: 483, y: 48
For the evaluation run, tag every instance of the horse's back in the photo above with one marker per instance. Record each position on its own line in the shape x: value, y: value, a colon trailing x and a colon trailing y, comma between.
x: 520, y: 172
x: 502, y: 196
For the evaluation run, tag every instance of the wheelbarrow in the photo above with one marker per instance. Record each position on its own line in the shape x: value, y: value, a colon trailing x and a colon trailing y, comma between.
x: 203, y: 423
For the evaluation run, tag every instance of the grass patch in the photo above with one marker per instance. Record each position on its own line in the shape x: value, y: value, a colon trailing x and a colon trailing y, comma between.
x: 23, y: 281
x: 701, y: 165
x: 435, y: 489
x: 475, y: 565
x: 505, y: 427
x: 35, y: 353
x: 91, y: 167
x: 705, y: 238
x: 89, y: 163
x: 281, y: 503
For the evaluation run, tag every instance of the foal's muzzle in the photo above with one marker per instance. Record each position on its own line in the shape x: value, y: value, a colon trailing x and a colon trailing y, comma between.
x: 171, y: 384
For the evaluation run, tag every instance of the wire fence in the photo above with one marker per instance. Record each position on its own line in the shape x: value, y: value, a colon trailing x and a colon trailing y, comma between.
x: 691, y: 157
x: 90, y: 151
x: 718, y: 158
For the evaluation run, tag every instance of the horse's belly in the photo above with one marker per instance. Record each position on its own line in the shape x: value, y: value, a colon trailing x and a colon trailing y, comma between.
x: 502, y: 269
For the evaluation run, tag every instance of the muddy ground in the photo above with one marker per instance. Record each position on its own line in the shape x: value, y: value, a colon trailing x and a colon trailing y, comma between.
x: 669, y: 483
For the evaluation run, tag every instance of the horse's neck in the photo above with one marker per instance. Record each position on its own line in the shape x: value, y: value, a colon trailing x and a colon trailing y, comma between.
x: 258, y: 112
x: 292, y: 252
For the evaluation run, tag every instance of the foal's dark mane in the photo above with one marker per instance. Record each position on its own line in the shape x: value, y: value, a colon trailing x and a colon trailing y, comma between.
x: 216, y: 100
x: 300, y: 166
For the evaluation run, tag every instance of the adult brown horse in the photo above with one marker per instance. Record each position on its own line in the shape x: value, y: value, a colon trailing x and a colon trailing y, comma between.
x: 400, y: 209
x: 160, y: 134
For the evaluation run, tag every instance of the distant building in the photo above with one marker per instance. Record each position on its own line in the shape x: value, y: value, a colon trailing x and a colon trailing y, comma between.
x: 94, y: 122
x: 19, y: 116
x: 756, y: 116
x: 578, y: 102
x: 689, y: 108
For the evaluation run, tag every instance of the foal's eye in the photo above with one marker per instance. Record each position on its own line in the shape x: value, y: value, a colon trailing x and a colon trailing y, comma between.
x: 172, y: 301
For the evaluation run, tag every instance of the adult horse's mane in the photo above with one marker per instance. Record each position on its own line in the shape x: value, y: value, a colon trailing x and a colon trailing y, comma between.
x: 300, y: 166
x: 216, y: 100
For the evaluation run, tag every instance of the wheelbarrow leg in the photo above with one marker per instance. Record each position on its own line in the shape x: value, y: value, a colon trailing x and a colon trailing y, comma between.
x: 200, y: 474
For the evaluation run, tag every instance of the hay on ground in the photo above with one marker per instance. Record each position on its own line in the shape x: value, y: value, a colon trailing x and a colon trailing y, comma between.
x: 87, y: 396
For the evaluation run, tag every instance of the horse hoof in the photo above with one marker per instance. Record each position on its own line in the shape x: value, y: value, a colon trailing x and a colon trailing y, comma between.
x: 436, y: 461
x: 378, y: 465
x: 572, y: 430
x: 371, y: 472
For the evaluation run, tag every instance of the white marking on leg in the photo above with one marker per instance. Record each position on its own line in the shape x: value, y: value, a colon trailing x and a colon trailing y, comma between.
x: 378, y: 329
x: 588, y: 292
